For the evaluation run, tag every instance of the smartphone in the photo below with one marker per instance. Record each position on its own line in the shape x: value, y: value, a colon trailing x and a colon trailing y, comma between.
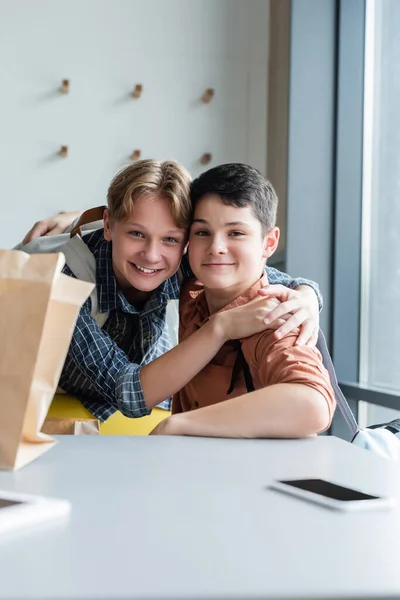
x: 331, y: 495
x: 23, y: 510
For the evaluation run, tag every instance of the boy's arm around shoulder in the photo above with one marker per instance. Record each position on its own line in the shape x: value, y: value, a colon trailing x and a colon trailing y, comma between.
x: 295, y: 400
x: 201, y: 337
x: 301, y: 302
x: 276, y: 277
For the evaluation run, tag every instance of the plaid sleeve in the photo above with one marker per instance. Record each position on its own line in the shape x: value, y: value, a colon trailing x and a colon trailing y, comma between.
x: 275, y: 276
x: 98, y: 358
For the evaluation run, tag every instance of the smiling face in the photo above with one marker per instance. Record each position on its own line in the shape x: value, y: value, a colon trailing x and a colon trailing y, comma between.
x: 227, y: 248
x: 147, y: 246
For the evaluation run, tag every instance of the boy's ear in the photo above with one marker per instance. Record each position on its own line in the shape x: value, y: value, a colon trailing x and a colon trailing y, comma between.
x: 107, y: 226
x: 271, y: 242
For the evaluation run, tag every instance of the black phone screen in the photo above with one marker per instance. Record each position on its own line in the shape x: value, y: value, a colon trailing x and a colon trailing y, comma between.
x: 328, y: 489
x: 5, y: 503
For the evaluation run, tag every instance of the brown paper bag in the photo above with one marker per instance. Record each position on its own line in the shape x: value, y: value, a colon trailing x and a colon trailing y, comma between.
x: 38, y: 311
x: 71, y: 426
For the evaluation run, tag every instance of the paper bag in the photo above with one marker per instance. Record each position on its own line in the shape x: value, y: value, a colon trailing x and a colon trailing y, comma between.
x: 71, y: 426
x: 38, y: 311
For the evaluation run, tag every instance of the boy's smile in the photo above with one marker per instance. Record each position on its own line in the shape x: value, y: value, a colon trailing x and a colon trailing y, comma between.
x: 144, y: 270
x: 147, y: 247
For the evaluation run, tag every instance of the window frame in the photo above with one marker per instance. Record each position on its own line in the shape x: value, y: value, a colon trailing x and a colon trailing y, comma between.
x: 354, y: 138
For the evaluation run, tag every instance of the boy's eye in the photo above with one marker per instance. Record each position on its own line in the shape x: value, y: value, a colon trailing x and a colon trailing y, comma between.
x: 171, y: 240
x: 136, y: 234
x: 236, y: 233
x: 201, y: 232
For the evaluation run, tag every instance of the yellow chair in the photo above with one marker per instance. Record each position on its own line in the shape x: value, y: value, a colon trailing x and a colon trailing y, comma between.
x: 68, y: 407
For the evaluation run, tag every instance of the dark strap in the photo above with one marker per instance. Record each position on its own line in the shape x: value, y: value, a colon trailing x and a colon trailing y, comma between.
x: 392, y: 426
x: 89, y: 216
x: 239, y: 366
x: 340, y: 399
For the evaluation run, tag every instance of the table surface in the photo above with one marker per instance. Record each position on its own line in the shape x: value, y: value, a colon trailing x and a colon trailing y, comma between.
x: 175, y: 517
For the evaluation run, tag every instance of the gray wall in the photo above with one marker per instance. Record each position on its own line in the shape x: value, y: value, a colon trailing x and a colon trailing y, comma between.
x: 311, y: 145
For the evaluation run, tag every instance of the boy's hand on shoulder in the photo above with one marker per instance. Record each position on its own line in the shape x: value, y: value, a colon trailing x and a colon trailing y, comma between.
x: 300, y: 310
x: 248, y: 319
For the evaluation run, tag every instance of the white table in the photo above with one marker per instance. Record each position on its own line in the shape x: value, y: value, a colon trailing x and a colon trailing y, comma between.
x: 169, y: 517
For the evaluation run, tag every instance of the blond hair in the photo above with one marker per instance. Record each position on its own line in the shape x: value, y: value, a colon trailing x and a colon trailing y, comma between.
x: 169, y: 179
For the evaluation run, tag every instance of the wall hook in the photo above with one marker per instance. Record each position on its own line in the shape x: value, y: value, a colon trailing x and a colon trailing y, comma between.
x: 64, y: 89
x: 137, y: 90
x: 206, y: 158
x: 136, y: 154
x: 208, y: 95
x: 63, y: 151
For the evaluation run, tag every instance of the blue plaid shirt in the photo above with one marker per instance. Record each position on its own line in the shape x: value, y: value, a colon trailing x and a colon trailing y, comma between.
x: 103, y: 365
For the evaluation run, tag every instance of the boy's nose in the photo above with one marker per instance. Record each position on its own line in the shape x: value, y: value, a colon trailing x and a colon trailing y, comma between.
x: 152, y: 253
x: 217, y: 246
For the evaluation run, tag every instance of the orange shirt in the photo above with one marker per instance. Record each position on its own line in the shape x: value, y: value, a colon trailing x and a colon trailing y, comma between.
x: 270, y: 361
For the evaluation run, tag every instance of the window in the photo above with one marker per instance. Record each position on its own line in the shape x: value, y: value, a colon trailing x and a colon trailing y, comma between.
x: 380, y: 257
x: 366, y: 320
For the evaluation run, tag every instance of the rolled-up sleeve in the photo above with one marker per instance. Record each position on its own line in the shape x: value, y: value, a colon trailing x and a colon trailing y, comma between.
x: 281, y: 361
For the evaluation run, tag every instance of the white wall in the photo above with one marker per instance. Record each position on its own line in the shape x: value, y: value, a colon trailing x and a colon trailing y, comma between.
x: 175, y: 49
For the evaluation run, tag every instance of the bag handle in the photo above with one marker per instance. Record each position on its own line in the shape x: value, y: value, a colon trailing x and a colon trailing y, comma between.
x: 89, y: 216
x: 340, y: 399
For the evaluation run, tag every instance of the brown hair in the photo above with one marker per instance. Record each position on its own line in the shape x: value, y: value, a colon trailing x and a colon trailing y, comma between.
x: 238, y: 184
x: 169, y: 179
